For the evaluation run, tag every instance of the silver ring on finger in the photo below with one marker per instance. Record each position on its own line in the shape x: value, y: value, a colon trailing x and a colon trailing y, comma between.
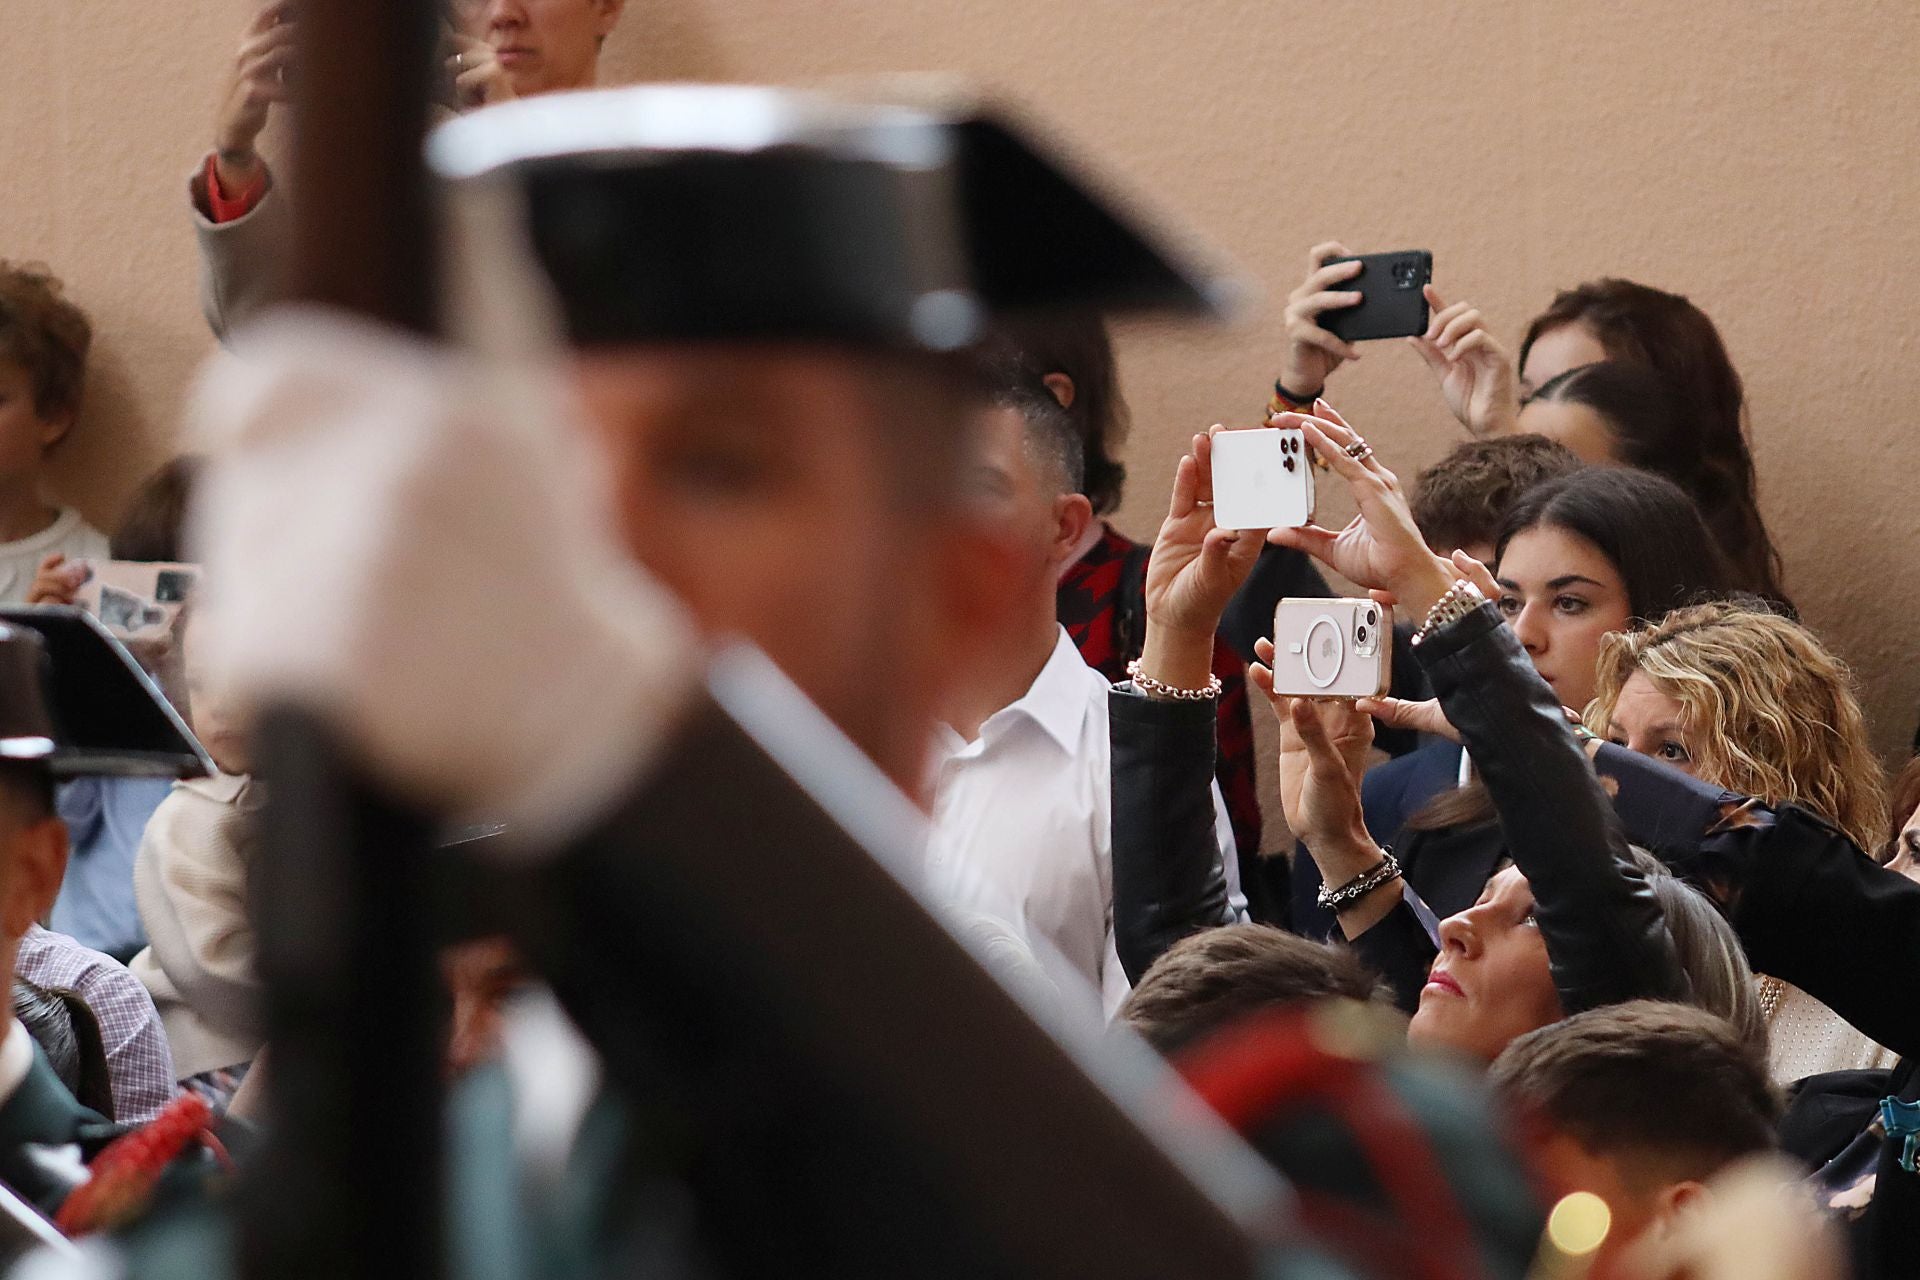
x: 1359, y: 450
x: 1202, y: 503
x: 459, y: 62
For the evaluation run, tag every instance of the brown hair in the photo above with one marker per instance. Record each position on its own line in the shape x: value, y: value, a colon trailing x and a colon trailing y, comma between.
x: 1078, y: 346
x: 1648, y: 530
x: 153, y: 524
x: 1773, y: 710
x: 1212, y: 978
x: 44, y: 334
x: 1905, y: 799
x: 1663, y: 331
x: 1461, y: 500
x: 1671, y: 1089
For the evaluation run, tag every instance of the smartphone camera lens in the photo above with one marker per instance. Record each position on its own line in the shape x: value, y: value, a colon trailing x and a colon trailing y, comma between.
x: 1372, y: 617
x: 1361, y: 635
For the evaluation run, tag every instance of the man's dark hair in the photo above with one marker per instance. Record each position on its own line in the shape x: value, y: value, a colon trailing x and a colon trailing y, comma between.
x: 1216, y: 977
x: 1460, y: 500
x: 1052, y: 438
x: 1078, y: 346
x: 1670, y: 1090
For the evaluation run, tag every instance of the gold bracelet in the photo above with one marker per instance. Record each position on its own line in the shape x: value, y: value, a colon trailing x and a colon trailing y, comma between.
x: 1161, y: 689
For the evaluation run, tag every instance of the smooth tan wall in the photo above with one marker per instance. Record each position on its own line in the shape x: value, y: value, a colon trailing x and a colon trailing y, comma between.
x: 1754, y: 155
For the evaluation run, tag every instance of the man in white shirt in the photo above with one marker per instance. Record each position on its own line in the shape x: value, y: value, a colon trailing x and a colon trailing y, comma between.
x: 1021, y: 792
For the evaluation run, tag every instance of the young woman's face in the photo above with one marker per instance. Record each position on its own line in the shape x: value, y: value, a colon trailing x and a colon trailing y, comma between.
x: 1491, y: 982
x: 1561, y: 596
x: 1652, y: 723
x: 1571, y: 346
x: 1576, y: 426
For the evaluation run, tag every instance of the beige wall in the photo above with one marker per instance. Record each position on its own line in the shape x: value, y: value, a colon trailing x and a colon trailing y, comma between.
x: 1757, y: 156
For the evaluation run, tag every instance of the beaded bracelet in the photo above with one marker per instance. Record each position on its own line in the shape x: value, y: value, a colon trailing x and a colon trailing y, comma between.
x: 1383, y: 872
x: 1160, y: 689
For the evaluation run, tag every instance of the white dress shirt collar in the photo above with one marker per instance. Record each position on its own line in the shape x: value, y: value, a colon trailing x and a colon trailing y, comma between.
x: 1056, y: 701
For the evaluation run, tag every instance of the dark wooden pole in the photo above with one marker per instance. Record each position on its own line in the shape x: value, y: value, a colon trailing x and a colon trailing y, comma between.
x: 350, y: 1182
x: 364, y: 238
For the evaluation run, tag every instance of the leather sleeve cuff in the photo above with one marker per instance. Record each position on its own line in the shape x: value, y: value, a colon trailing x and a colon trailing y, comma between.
x: 1448, y: 641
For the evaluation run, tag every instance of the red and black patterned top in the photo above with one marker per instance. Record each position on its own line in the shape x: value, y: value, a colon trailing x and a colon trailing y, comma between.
x: 1102, y: 604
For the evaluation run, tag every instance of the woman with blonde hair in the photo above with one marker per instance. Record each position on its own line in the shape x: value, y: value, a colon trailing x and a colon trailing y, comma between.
x: 1741, y: 697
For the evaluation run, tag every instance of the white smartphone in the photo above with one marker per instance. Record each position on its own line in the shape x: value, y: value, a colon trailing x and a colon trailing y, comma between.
x: 1340, y: 648
x: 1262, y: 479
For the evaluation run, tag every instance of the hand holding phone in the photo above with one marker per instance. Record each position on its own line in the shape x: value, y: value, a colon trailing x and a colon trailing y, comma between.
x: 1262, y: 479
x: 1393, y: 299
x: 1340, y: 648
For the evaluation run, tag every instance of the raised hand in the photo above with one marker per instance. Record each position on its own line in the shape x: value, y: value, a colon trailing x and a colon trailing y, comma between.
x: 1381, y: 547
x: 1192, y: 575
x: 1312, y: 352
x: 1475, y: 370
x: 258, y: 84
x: 475, y: 71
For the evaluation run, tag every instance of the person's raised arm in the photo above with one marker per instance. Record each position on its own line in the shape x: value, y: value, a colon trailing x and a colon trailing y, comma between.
x: 1475, y: 369
x: 1605, y: 937
x: 1167, y: 877
x: 258, y: 84
x: 1312, y: 352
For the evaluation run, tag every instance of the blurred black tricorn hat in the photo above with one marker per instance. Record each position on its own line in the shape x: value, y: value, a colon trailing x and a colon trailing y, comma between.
x: 706, y: 212
x: 26, y: 727
x: 72, y: 696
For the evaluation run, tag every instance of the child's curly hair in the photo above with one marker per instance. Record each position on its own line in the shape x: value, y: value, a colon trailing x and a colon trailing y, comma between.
x: 45, y: 334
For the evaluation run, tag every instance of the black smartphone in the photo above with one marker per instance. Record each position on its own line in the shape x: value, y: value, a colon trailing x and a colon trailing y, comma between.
x: 1394, y: 297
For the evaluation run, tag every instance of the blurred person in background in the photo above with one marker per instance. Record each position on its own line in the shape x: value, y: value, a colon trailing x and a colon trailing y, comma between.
x: 495, y: 50
x: 44, y: 341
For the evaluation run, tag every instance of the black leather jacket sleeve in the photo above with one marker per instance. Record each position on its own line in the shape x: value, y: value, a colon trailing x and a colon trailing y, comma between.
x: 1809, y: 906
x: 1167, y: 877
x: 1606, y: 939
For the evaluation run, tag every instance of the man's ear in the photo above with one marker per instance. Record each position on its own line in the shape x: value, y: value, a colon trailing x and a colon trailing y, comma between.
x: 1062, y: 387
x: 38, y: 865
x: 1072, y: 516
x: 610, y: 11
x: 1678, y: 1199
x: 54, y: 429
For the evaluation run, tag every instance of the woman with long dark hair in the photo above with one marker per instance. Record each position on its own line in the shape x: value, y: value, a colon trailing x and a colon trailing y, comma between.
x: 1622, y: 322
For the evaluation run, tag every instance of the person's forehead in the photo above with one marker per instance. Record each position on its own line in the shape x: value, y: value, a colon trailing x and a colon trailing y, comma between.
x: 1538, y: 555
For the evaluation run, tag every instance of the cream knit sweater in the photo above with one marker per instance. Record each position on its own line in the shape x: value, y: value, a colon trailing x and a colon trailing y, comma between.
x: 190, y: 882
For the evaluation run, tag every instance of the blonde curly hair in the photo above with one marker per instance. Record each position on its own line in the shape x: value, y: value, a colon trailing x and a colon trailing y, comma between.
x: 1772, y: 711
